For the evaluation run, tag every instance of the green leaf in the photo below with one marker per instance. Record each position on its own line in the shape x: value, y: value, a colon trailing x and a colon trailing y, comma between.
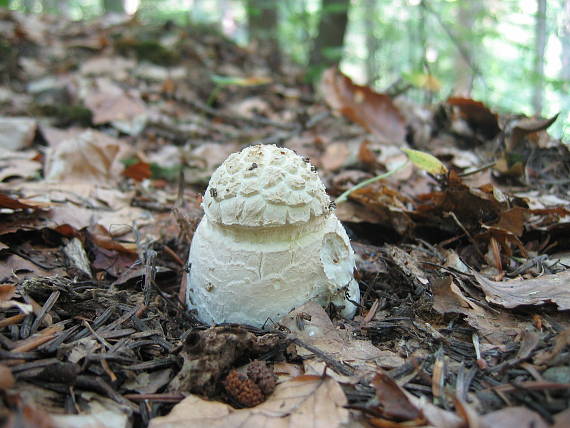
x: 426, y: 161
x: 239, y: 81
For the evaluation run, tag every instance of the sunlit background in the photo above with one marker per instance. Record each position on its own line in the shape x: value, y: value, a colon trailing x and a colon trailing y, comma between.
x: 419, y: 46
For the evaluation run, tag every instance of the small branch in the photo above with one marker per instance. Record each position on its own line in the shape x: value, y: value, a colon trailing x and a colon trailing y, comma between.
x: 343, y: 198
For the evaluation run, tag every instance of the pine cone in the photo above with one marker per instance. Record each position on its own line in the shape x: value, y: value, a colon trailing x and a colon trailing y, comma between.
x: 262, y: 375
x: 243, y: 390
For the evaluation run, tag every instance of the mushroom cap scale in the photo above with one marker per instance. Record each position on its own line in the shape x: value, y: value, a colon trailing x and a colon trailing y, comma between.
x: 265, y: 185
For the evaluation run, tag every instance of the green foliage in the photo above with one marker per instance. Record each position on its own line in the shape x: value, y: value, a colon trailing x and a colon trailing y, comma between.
x: 64, y: 114
x: 147, y: 50
x: 426, y: 162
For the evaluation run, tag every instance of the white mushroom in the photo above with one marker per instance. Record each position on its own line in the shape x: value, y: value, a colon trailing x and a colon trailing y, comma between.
x: 269, y: 242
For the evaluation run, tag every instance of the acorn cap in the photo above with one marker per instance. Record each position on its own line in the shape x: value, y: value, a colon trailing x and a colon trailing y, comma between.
x: 265, y: 185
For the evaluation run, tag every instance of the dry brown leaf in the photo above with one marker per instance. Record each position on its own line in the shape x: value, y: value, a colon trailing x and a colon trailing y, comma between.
x: 115, y: 67
x: 561, y: 341
x: 11, y: 203
x: 336, y: 156
x: 436, y: 416
x: 512, y: 417
x: 305, y: 401
x: 448, y: 298
x: 21, y: 164
x: 538, y: 291
x: 92, y: 157
x: 17, y: 132
x: 525, y: 127
x: 562, y: 419
x: 110, y: 103
x: 374, y: 111
x: 393, y: 401
x: 366, y: 156
x: 318, y: 330
x: 138, y: 171
x: 479, y: 117
x: 6, y: 378
x: 22, y: 268
x: 7, y: 291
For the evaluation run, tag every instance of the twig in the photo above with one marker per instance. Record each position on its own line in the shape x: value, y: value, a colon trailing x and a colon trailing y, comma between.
x: 475, y: 171
x: 343, y: 198
x: 45, y: 309
x: 331, y: 362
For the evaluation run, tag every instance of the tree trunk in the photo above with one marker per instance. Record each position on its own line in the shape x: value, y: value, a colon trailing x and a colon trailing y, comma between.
x: 372, y: 42
x: 328, y: 45
x: 466, y: 17
x: 565, y: 40
x: 116, y: 6
x: 539, y: 48
x: 29, y: 5
x: 263, y: 21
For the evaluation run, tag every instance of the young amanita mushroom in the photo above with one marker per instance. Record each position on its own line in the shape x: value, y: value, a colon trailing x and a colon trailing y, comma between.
x: 269, y: 242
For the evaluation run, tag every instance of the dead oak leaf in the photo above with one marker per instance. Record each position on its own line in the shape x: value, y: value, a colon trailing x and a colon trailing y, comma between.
x: 537, y: 291
x: 497, y: 328
x: 374, y: 111
x: 318, y: 331
x: 393, y: 401
x: 91, y: 157
x: 304, y: 401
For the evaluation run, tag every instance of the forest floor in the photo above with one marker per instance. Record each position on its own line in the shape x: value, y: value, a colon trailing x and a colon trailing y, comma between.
x: 109, y: 132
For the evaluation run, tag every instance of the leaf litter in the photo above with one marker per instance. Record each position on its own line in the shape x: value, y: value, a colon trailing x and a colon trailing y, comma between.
x: 111, y: 131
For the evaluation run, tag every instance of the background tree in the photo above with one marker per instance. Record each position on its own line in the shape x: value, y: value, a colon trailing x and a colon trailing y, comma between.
x: 466, y: 13
x: 539, y: 48
x: 117, y: 6
x: 5, y: 3
x: 262, y: 24
x: 328, y: 45
x: 372, y: 40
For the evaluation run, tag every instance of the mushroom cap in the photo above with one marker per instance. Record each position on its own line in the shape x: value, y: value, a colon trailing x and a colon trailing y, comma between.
x: 265, y: 185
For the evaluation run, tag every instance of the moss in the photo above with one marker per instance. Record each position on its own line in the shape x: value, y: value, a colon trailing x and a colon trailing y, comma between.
x: 65, y: 115
x: 147, y: 50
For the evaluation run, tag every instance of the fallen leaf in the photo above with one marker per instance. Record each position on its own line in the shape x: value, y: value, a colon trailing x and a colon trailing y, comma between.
x: 394, y: 403
x: 21, y: 164
x: 320, y: 332
x: 109, y: 103
x: 96, y: 412
x: 524, y: 127
x: 365, y: 155
x: 374, y: 111
x: 92, y: 157
x: 302, y: 402
x: 436, y: 416
x: 6, y: 378
x: 426, y: 162
x: 11, y: 203
x: 562, y: 419
x: 138, y: 171
x: 448, y: 298
x: 479, y: 117
x: 512, y: 417
x: 562, y: 340
x: 7, y: 291
x: 336, y: 156
x: 537, y: 291
x: 17, y: 133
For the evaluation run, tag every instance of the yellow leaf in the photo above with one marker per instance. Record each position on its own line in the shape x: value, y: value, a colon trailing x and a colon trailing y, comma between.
x: 426, y: 161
